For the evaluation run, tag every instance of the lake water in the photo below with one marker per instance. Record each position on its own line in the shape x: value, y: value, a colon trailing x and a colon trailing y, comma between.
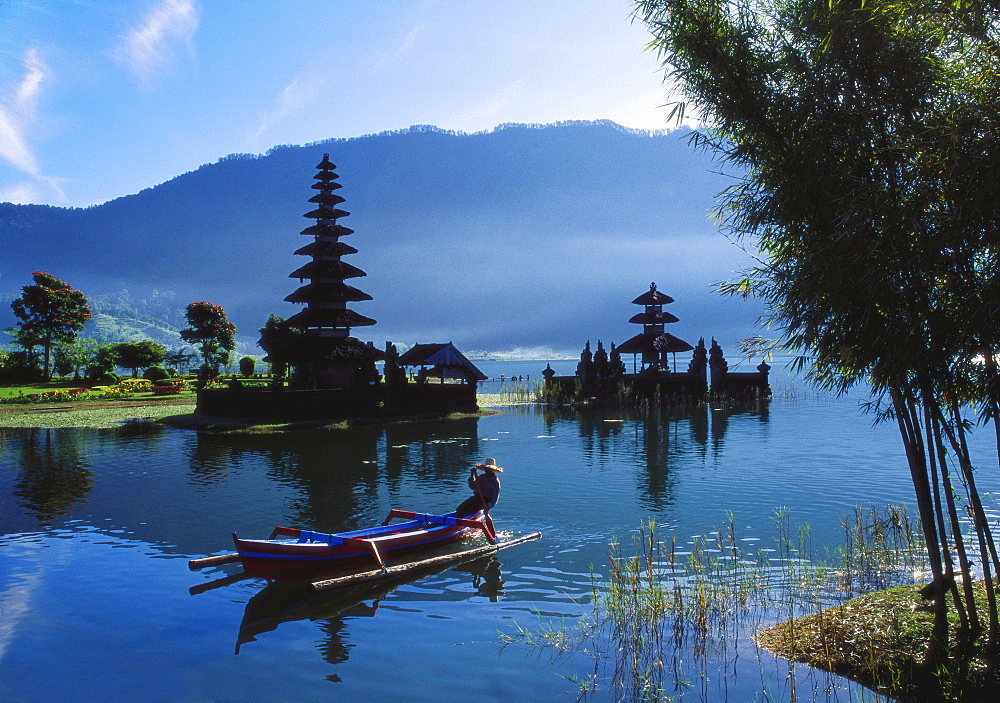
x: 97, y: 526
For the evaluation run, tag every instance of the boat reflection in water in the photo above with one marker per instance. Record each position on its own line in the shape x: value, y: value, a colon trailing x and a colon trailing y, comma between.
x: 287, y: 601
x: 486, y: 576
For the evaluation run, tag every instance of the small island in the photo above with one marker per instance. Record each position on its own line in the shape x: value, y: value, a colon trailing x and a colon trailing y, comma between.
x: 321, y: 372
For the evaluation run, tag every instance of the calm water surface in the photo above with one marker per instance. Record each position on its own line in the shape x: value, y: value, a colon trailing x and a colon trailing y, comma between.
x: 96, y: 528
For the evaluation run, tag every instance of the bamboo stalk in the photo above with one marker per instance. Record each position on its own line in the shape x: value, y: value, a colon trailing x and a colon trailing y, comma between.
x: 328, y: 584
x: 196, y: 564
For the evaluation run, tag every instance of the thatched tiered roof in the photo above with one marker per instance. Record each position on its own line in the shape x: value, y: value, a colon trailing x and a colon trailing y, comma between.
x: 326, y: 295
x: 653, y: 343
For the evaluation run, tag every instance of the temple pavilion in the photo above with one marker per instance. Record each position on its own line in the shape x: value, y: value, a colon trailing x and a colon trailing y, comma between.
x: 652, y: 345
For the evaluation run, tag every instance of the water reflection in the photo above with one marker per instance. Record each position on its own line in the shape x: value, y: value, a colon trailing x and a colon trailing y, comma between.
x: 281, y: 602
x: 656, y: 441
x: 430, y: 451
x: 335, y: 476
x: 52, y: 476
x: 722, y: 415
x: 487, y: 577
x: 288, y: 601
x: 340, y: 478
x: 121, y: 500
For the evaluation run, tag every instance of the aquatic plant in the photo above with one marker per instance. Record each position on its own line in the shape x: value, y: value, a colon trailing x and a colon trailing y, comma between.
x: 666, y: 613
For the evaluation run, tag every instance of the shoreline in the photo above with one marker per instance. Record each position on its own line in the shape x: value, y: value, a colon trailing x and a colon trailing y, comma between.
x: 179, y: 413
x: 879, y: 640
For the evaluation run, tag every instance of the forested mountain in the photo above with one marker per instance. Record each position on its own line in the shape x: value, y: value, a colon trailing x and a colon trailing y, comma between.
x: 526, y: 236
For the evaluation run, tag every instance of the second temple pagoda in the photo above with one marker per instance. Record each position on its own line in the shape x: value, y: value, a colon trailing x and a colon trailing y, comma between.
x: 602, y: 376
x: 653, y: 344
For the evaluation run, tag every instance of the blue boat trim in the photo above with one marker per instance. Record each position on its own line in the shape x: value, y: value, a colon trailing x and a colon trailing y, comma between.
x: 328, y: 557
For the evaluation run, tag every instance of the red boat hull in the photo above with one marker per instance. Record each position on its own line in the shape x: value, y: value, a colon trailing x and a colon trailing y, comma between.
x: 292, y: 553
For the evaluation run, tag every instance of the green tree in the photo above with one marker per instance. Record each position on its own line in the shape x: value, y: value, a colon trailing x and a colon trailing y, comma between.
x: 25, y: 339
x: 138, y: 355
x: 247, y: 366
x: 20, y: 367
x: 51, y: 313
x: 282, y: 344
x: 863, y: 136
x: 211, y: 331
x: 74, y: 357
x: 103, y: 361
x: 180, y: 358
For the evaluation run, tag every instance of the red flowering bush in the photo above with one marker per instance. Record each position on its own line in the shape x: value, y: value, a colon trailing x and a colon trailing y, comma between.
x: 167, y: 390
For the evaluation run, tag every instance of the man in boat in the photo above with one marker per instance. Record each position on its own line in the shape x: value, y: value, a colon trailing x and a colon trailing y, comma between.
x: 485, y: 491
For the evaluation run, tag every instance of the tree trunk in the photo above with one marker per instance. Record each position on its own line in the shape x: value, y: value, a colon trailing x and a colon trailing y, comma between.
x: 916, y: 459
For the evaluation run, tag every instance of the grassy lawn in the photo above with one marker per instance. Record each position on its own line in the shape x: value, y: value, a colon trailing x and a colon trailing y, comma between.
x: 89, y: 410
x: 110, y: 414
x: 95, y: 411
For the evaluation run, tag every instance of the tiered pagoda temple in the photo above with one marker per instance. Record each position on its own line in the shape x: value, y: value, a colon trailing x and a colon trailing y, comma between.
x: 334, y: 358
x: 602, y: 378
x: 653, y: 344
x: 334, y: 375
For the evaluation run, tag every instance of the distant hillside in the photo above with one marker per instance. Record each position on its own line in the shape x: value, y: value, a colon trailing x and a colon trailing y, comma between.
x: 527, y: 236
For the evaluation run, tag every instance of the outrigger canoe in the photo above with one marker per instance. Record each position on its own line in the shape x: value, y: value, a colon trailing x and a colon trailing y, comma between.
x: 292, y: 553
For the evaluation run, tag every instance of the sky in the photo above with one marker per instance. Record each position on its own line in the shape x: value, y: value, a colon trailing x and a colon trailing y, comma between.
x: 102, y: 98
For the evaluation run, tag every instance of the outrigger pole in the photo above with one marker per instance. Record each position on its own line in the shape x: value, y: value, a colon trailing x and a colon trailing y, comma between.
x: 391, y: 571
x: 203, y: 562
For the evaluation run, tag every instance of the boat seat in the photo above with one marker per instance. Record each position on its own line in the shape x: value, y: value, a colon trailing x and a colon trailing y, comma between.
x: 307, y: 536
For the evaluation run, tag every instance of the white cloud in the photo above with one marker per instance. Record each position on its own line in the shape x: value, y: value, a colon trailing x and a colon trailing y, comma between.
x: 16, y: 119
x: 293, y: 99
x: 21, y: 193
x: 146, y: 49
x: 395, y: 55
x: 13, y: 145
x: 489, y: 112
x: 18, y: 115
x: 35, y: 73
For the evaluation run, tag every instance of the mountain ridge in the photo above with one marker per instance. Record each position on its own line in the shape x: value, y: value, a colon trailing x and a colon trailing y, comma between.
x: 462, y: 235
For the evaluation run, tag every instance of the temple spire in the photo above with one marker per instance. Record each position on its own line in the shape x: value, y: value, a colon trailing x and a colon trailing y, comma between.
x: 326, y: 295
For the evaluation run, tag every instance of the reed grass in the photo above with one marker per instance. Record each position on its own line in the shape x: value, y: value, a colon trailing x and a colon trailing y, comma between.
x: 666, y: 621
x: 517, y: 392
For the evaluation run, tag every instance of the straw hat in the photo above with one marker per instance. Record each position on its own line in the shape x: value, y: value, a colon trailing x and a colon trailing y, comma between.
x: 490, y: 465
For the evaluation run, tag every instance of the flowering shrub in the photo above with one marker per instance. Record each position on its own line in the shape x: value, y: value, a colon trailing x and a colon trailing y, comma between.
x: 134, y: 385
x: 58, y: 396
x: 168, y: 390
x: 117, y: 392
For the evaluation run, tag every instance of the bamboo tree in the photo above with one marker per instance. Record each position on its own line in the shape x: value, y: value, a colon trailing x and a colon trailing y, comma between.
x: 864, y: 139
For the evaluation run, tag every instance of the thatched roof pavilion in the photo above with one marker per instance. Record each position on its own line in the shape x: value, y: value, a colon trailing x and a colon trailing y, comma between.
x: 445, y: 360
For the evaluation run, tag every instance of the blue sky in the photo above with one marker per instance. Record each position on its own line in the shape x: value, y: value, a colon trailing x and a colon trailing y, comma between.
x: 102, y: 98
